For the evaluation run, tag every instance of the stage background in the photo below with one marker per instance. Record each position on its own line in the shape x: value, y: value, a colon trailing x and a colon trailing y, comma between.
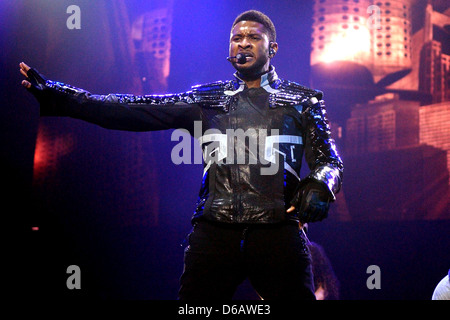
x: 114, y: 203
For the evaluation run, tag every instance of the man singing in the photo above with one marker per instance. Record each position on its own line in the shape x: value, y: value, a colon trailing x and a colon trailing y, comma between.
x: 251, y: 200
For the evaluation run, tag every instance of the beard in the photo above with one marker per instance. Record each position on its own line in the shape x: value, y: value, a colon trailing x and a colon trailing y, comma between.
x: 253, y: 71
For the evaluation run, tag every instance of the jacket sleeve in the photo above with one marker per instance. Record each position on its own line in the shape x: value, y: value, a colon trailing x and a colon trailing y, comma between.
x: 119, y: 111
x: 320, y: 149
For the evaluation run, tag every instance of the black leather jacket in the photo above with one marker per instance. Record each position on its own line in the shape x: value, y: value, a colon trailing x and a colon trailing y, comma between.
x: 253, y: 140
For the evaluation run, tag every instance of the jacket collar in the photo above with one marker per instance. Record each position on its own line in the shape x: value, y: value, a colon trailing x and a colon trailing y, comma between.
x: 268, y: 80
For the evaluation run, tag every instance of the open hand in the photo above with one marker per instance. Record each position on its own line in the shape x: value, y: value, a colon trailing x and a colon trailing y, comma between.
x: 24, y: 71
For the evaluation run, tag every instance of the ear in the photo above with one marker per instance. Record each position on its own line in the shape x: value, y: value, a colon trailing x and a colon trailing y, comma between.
x: 273, y: 48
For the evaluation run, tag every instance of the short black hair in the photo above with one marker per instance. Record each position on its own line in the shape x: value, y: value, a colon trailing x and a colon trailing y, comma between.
x: 258, y: 16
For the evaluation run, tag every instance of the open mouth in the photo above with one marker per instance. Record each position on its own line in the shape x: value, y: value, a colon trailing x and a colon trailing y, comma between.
x: 248, y: 56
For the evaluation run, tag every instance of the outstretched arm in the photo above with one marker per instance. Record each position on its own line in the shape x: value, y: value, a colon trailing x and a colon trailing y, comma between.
x: 112, y: 111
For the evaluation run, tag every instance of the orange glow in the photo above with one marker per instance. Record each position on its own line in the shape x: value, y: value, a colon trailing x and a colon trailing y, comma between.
x: 39, y: 152
x: 49, y: 149
x: 346, y: 45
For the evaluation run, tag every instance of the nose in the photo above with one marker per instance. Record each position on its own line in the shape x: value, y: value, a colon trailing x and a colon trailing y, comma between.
x: 244, y: 43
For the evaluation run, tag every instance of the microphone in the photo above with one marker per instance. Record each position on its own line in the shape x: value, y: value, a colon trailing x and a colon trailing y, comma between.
x: 240, y: 58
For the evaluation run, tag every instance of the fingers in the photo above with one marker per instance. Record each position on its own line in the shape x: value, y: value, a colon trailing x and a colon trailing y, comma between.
x: 26, y: 84
x: 24, y: 66
x: 24, y: 73
x: 24, y: 69
x: 292, y: 208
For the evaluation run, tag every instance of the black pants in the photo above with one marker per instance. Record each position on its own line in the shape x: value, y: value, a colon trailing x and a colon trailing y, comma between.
x: 275, y: 258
